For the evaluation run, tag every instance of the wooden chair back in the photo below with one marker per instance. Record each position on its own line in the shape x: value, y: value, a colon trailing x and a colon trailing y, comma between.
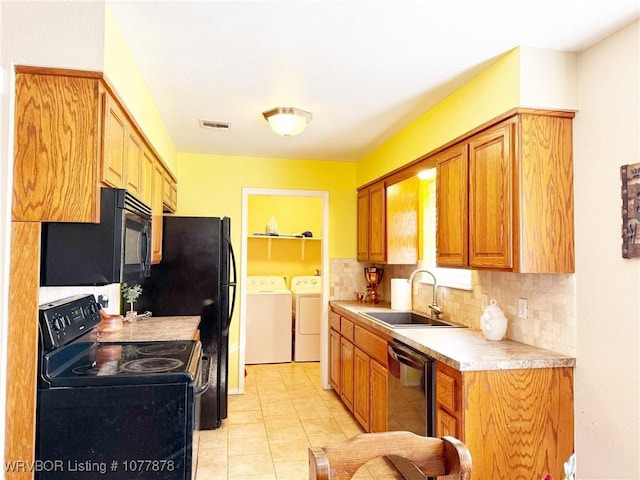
x: 445, y: 457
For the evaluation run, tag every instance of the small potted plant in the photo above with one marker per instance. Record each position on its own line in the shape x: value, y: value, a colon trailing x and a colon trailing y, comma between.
x: 131, y: 294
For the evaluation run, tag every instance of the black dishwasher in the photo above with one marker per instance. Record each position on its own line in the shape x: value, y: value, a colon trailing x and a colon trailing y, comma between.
x: 411, y: 397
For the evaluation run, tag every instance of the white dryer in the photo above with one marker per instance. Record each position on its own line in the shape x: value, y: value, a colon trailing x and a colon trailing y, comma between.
x: 268, y: 320
x: 307, y: 313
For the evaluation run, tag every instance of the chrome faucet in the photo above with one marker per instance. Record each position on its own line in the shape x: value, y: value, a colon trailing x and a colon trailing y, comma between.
x: 435, y: 309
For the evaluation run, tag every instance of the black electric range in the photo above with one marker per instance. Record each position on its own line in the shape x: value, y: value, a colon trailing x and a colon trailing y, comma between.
x: 121, y: 410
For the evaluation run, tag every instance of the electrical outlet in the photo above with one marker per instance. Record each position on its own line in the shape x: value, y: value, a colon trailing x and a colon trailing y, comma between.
x: 523, y: 308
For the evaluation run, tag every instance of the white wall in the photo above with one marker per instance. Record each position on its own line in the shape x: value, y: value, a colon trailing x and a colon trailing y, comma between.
x: 55, y: 34
x: 607, y: 381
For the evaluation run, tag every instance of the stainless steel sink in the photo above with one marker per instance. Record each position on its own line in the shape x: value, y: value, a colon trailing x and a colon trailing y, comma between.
x: 409, y: 319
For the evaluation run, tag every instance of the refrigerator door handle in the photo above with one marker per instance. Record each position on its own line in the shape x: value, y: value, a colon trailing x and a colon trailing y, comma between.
x: 232, y: 284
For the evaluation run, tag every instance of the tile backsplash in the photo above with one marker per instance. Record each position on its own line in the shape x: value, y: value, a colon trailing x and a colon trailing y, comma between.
x: 551, y: 316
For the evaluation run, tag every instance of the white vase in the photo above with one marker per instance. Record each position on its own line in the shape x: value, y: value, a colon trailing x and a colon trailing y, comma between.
x: 493, y: 322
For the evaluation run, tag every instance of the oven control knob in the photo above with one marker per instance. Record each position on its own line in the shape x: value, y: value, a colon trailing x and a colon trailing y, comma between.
x: 58, y: 323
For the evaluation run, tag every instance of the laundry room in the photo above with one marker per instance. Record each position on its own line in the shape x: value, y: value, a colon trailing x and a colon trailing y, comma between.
x: 283, y: 286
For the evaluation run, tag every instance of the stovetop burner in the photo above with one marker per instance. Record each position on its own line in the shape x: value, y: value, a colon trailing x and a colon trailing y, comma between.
x: 161, y: 349
x: 151, y: 365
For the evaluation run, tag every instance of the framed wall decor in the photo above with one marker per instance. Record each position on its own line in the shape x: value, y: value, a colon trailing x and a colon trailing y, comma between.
x: 630, y: 176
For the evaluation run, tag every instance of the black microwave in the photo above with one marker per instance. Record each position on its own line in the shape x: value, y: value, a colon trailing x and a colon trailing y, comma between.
x: 116, y: 250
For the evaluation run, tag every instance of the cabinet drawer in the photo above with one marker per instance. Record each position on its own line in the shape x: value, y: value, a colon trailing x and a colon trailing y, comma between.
x: 346, y: 328
x: 334, y: 321
x: 370, y: 343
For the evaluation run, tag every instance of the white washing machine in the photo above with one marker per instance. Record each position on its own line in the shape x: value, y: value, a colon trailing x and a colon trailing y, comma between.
x: 268, y: 320
x: 307, y: 313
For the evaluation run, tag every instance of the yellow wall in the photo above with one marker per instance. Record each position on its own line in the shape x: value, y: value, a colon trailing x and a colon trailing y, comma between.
x: 293, y: 215
x: 123, y: 74
x: 288, y: 257
x: 491, y: 93
x: 211, y: 185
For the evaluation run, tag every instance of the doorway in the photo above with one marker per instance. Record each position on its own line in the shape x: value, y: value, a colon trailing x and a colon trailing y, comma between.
x: 305, y: 248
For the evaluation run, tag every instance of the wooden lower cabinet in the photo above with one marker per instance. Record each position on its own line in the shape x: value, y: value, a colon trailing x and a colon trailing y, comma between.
x: 361, y: 402
x: 378, y: 416
x: 358, y: 372
x: 334, y: 360
x: 516, y: 423
x: 346, y: 372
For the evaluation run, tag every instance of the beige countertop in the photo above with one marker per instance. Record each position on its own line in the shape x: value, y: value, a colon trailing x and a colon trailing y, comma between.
x: 464, y: 349
x: 151, y: 329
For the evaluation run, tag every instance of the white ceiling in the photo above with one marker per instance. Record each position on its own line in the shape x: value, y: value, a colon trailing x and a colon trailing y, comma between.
x: 364, y: 69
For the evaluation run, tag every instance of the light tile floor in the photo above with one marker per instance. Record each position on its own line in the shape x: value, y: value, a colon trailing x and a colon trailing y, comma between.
x: 269, y: 428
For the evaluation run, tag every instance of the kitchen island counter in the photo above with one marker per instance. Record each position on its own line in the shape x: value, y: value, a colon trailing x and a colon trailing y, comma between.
x: 152, y: 329
x: 464, y: 349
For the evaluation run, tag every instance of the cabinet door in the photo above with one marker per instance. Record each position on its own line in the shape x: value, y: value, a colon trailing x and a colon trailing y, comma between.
x: 346, y: 377
x: 146, y: 187
x: 363, y: 225
x: 334, y: 360
x: 491, y: 199
x: 134, y: 161
x: 56, y: 167
x: 156, y: 213
x: 452, y: 205
x: 448, y: 402
x: 115, y: 142
x: 402, y: 200
x: 378, y: 418
x: 361, y: 394
x: 377, y: 223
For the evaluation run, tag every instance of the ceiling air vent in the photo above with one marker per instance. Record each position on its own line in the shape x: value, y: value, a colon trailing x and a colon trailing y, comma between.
x: 214, y: 125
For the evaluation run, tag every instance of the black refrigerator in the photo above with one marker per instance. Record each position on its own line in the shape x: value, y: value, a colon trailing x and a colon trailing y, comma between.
x: 197, y: 276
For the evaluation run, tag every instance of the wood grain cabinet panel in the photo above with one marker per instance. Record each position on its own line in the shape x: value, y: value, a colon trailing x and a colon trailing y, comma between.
x: 146, y: 187
x: 516, y: 423
x: 452, y: 199
x: 362, y: 390
x: 372, y: 236
x: 134, y: 164
x: 114, y: 166
x: 347, y: 372
x: 378, y: 416
x: 156, y: 213
x: 520, y: 196
x: 56, y: 170
x: 335, y: 367
x: 363, y: 225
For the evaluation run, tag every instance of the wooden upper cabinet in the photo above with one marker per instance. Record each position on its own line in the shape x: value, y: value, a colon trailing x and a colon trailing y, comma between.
x: 146, y: 187
x: 114, y: 167
x: 363, y: 225
x: 452, y: 206
x: 134, y: 163
x: 169, y: 193
x: 491, y: 199
x: 377, y: 222
x: 372, y: 235
x: 519, y: 183
x: 73, y: 136
x: 402, y: 210
x: 156, y: 213
x: 57, y: 136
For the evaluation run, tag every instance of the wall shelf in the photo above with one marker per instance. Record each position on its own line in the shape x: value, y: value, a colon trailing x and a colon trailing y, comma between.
x: 270, y: 238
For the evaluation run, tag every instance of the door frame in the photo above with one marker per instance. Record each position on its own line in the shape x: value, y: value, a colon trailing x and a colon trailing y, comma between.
x: 324, y: 320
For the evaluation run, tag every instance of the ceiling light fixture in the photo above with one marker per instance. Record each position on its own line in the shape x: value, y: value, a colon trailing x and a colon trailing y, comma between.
x: 287, y: 121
